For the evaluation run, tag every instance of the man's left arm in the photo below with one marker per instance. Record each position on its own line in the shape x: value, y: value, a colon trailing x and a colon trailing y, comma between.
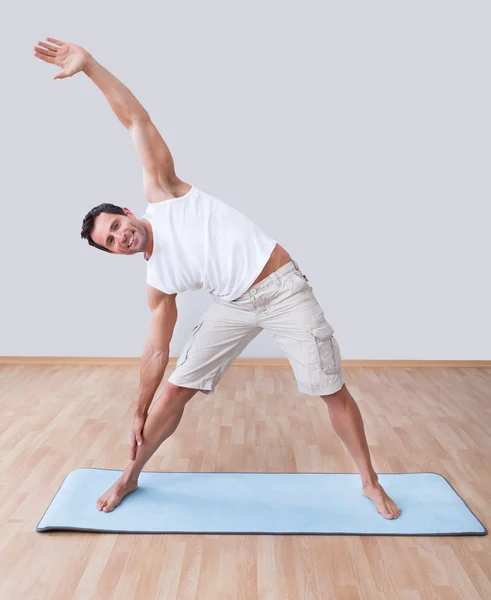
x: 158, y: 165
x: 156, y: 158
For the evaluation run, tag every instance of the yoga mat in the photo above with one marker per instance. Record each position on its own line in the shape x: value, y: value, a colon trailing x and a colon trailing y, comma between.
x: 260, y: 503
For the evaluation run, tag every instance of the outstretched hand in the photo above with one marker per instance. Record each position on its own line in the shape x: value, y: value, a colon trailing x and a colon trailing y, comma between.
x: 69, y: 57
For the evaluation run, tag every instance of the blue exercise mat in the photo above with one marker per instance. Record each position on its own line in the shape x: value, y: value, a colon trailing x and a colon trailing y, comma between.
x: 260, y: 503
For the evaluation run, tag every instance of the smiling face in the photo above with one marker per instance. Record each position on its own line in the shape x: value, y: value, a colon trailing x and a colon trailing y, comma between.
x: 121, y: 234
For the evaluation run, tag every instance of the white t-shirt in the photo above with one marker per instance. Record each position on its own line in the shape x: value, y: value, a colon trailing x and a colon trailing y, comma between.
x: 202, y: 242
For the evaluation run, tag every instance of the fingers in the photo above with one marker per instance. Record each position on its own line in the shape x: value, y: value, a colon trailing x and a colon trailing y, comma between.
x: 45, y: 52
x: 53, y: 49
x: 47, y: 59
x: 139, y: 438
x: 61, y: 75
x: 133, y: 448
x: 55, y: 41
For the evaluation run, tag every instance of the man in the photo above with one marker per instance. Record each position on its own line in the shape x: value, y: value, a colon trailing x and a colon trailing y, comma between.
x: 191, y: 240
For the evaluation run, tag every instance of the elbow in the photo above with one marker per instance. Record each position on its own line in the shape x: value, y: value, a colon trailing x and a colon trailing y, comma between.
x: 139, y: 117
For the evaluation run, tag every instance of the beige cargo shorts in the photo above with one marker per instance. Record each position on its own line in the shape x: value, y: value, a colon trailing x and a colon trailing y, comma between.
x: 284, y: 305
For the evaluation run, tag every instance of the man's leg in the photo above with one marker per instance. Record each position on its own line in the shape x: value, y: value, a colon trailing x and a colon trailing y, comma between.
x: 220, y: 336
x: 163, y: 419
x: 348, y: 424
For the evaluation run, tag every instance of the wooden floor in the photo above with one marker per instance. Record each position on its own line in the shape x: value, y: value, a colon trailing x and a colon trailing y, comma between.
x: 58, y: 418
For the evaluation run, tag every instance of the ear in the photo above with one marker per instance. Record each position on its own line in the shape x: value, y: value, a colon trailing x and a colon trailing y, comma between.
x: 128, y: 213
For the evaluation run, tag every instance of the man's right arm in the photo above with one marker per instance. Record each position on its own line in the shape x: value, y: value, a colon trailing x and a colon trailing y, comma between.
x: 156, y: 352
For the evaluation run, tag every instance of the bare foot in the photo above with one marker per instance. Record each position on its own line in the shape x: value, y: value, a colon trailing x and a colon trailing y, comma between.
x: 108, y: 501
x: 384, y: 505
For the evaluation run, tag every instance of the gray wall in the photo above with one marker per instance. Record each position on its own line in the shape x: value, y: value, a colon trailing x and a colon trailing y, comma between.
x: 356, y: 133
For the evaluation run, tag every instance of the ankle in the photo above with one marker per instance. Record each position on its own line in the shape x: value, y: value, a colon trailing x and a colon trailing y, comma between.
x: 370, y: 480
x: 130, y: 475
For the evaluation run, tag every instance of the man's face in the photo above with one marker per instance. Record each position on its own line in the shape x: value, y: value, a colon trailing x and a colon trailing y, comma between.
x: 120, y: 234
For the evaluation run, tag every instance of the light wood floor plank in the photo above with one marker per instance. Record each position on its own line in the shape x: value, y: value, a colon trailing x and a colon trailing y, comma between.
x: 57, y: 418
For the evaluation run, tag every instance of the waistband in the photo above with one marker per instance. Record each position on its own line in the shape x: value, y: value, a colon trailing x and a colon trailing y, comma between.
x: 271, y: 279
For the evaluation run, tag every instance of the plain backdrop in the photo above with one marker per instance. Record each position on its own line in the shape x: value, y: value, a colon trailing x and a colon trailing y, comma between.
x: 357, y: 134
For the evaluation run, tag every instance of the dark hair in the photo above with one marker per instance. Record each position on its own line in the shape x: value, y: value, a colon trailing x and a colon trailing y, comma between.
x: 89, y: 219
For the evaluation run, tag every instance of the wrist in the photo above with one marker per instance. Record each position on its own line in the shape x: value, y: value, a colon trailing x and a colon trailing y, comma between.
x: 89, y: 63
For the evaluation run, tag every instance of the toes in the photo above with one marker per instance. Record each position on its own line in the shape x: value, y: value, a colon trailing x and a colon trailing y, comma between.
x: 391, y: 511
x: 110, y: 505
x: 385, y: 505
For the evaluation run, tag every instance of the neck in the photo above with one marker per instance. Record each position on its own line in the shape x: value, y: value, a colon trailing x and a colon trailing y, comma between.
x: 147, y: 251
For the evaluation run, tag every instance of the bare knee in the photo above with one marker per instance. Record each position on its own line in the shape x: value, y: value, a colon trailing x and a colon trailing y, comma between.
x: 339, y: 397
x: 175, y: 393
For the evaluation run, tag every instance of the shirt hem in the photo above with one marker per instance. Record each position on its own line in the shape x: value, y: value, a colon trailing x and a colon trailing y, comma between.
x: 268, y: 255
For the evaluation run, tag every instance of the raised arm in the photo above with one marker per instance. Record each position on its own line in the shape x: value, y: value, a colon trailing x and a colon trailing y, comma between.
x: 157, y: 161
x: 158, y: 164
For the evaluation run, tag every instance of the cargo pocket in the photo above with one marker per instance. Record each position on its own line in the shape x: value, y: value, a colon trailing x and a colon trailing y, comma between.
x: 188, y: 344
x: 327, y: 349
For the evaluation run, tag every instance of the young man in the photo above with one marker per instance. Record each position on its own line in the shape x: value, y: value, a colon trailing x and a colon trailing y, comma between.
x: 191, y: 240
